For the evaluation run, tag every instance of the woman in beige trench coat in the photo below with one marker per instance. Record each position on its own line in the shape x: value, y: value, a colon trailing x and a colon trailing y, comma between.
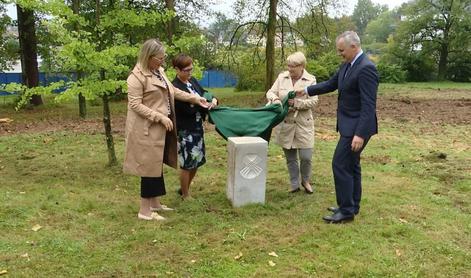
x: 296, y: 133
x: 150, y: 135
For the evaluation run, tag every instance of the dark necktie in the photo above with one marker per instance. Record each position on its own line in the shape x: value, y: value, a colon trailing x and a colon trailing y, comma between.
x: 346, y: 70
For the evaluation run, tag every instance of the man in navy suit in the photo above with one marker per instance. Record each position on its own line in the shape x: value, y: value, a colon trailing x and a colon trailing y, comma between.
x: 357, y: 85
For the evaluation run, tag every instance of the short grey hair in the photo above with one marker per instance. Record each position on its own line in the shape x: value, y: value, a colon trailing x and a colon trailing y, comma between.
x: 150, y: 48
x: 350, y: 37
x: 297, y: 58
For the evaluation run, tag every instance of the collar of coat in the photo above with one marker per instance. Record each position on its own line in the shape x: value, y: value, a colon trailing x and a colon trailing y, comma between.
x: 143, y: 74
x: 138, y: 70
x: 306, y: 76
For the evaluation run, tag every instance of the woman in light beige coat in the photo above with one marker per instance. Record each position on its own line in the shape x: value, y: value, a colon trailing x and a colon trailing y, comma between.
x: 150, y: 135
x: 296, y: 133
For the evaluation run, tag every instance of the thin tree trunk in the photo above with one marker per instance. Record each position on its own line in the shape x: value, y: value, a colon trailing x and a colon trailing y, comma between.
x: 108, y: 132
x: 29, y: 51
x: 106, y: 105
x: 270, y: 48
x: 171, y: 25
x: 81, y: 98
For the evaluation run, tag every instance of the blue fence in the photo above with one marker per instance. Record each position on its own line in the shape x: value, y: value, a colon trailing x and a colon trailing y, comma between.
x: 218, y: 79
x: 211, y: 79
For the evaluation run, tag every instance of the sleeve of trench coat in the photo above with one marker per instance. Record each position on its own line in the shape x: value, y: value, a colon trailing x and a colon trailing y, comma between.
x: 135, y: 96
x: 186, y: 97
x: 306, y: 102
x: 274, y: 91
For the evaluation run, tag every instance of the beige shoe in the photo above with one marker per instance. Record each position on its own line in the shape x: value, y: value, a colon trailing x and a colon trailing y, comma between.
x: 153, y: 216
x: 162, y: 208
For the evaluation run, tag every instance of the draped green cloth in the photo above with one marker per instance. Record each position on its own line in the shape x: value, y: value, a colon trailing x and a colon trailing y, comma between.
x: 257, y: 122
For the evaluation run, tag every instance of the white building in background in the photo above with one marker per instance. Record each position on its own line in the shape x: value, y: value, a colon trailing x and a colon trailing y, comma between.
x: 288, y: 39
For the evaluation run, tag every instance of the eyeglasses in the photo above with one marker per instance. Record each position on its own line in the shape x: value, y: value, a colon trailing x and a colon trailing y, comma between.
x: 187, y: 70
x: 160, y: 58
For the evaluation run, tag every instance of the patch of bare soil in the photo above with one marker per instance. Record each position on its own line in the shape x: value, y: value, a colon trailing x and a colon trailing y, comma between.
x: 435, y: 111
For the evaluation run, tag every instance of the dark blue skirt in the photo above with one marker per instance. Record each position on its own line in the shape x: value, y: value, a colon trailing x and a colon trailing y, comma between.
x: 191, y: 149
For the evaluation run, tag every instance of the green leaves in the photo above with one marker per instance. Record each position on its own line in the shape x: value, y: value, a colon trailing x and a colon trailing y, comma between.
x: 91, y: 89
x: 127, y: 18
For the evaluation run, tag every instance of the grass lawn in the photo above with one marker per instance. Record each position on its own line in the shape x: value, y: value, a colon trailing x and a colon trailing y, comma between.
x: 414, y: 221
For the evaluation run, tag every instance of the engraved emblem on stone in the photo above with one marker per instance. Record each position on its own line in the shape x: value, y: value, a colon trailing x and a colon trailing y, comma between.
x: 251, y: 169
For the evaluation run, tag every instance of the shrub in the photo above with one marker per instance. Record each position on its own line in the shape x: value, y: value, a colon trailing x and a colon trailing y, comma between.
x: 324, y: 66
x: 250, y: 75
x: 391, y: 73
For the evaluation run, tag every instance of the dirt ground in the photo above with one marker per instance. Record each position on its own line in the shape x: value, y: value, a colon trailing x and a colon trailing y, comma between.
x: 404, y: 109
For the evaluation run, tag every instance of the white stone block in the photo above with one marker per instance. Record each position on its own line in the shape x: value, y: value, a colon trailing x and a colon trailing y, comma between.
x: 247, y: 170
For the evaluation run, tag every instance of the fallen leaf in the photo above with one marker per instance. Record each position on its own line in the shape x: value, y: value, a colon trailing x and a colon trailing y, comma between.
x: 3, y: 272
x: 273, y: 254
x: 271, y: 263
x: 402, y: 220
x: 398, y: 252
x: 36, y: 227
x: 238, y: 256
x: 5, y: 120
x: 22, y: 192
x: 25, y: 255
x: 154, y: 241
x: 193, y: 261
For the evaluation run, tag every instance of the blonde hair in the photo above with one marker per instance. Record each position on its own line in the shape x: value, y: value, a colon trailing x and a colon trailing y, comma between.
x: 297, y: 58
x: 150, y: 48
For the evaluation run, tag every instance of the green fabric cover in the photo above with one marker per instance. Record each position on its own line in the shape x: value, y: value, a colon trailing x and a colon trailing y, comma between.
x: 257, y: 122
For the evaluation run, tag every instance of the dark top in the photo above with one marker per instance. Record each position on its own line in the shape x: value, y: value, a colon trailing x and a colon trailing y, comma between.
x: 356, y: 110
x: 189, y: 116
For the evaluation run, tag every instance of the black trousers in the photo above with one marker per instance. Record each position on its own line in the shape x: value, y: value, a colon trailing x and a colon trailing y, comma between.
x: 152, y: 187
x: 347, y: 175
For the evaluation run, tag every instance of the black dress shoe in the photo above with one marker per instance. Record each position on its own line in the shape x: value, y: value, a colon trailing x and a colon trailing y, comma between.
x: 179, y: 192
x: 294, y: 190
x: 307, y: 190
x: 338, y: 217
x: 335, y: 209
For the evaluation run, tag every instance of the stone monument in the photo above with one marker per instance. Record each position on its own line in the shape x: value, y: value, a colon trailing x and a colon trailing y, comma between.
x: 246, y: 170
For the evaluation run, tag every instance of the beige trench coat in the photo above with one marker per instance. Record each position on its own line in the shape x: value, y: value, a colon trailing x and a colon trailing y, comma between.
x: 297, y: 129
x: 147, y: 143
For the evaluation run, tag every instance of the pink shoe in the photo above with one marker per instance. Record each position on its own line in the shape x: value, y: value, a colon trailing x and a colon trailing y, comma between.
x: 153, y: 216
x: 162, y: 208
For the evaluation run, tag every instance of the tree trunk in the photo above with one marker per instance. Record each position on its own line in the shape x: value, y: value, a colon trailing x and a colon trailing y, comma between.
x: 29, y: 51
x: 107, y: 123
x: 81, y: 98
x: 270, y: 47
x: 442, y: 62
x: 106, y: 105
x: 171, y: 25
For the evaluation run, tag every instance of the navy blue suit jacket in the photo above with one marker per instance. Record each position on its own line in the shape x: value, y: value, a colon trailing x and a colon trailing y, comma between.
x: 356, y: 111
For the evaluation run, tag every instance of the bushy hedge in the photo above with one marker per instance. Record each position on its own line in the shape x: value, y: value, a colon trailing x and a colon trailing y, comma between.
x: 324, y: 66
x: 251, y: 76
x: 390, y: 73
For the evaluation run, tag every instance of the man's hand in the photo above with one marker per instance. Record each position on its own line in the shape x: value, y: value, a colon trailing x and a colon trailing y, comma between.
x: 300, y: 92
x: 357, y: 143
x: 168, y: 124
